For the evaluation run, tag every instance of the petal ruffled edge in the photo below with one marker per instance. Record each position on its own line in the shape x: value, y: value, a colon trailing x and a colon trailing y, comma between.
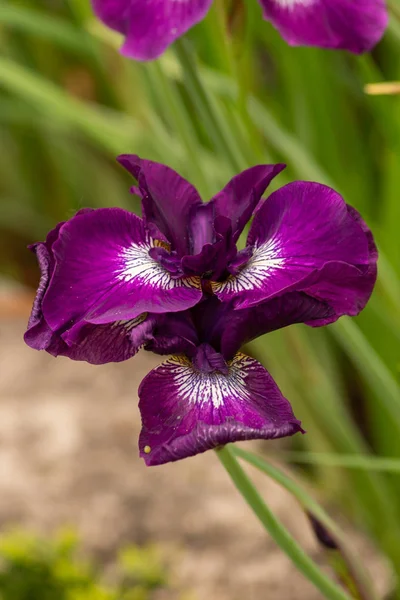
x: 186, y: 412
x: 301, y: 229
x: 104, y: 273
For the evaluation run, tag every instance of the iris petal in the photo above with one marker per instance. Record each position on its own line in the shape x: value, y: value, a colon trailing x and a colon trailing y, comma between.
x: 298, y: 231
x: 242, y: 194
x: 38, y: 334
x: 111, y: 342
x: 104, y: 273
x: 150, y: 26
x: 354, y: 25
x: 167, y: 200
x: 186, y: 411
x: 227, y: 329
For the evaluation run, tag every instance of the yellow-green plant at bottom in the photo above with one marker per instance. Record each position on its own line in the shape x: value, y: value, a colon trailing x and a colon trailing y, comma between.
x: 38, y: 568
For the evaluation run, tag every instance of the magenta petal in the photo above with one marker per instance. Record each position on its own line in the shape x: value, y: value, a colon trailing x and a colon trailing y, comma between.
x: 167, y: 200
x: 96, y: 344
x: 298, y: 230
x: 354, y: 25
x: 150, y: 26
x: 345, y: 288
x: 104, y: 273
x: 185, y: 411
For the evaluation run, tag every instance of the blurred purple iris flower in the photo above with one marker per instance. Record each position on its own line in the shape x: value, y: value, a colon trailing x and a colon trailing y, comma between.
x: 175, y: 283
x: 150, y: 26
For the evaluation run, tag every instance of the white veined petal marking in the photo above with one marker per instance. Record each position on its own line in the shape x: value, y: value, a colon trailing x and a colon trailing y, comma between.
x: 138, y: 265
x: 195, y: 387
x: 262, y: 264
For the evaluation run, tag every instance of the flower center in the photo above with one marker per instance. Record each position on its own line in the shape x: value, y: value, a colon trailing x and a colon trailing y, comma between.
x: 207, y: 360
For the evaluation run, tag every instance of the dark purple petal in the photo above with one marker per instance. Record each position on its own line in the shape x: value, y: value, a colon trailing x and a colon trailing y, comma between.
x: 207, y: 360
x: 298, y: 230
x: 214, y: 228
x: 201, y: 227
x: 104, y: 273
x: 43, y: 338
x: 95, y: 344
x: 150, y: 26
x: 371, y: 267
x: 202, y: 263
x: 112, y: 342
x: 240, y: 197
x: 213, y: 258
x: 185, y: 412
x: 167, y: 200
x: 173, y: 334
x: 236, y: 201
x: 38, y: 334
x: 354, y: 25
x: 344, y: 287
x: 227, y: 329
x: 168, y: 260
x: 241, y: 258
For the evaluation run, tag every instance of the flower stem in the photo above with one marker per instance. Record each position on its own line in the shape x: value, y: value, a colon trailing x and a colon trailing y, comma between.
x: 355, y: 571
x: 216, y: 126
x: 183, y: 125
x: 276, y: 530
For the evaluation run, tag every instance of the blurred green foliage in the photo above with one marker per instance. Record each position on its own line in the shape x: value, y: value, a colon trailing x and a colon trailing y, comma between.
x: 38, y: 568
x: 69, y: 103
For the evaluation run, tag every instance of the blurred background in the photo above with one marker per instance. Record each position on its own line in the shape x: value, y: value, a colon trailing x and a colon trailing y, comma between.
x: 69, y: 104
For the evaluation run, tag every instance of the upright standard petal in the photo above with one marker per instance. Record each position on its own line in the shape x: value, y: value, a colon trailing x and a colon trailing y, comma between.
x: 241, y: 196
x: 104, y: 273
x: 167, y: 200
x: 354, y: 25
x: 215, y: 227
x: 298, y: 230
x: 150, y: 26
x: 186, y: 411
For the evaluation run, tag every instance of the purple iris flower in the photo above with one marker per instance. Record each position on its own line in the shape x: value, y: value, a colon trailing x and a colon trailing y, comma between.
x: 208, y: 393
x: 174, y: 282
x: 150, y: 26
